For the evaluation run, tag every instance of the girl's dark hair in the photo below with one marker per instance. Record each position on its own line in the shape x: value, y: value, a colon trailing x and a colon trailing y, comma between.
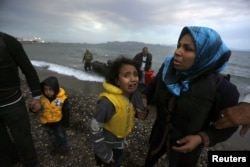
x: 114, y: 69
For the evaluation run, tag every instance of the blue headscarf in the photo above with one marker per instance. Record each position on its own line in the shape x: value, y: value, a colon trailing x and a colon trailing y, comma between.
x: 212, y: 56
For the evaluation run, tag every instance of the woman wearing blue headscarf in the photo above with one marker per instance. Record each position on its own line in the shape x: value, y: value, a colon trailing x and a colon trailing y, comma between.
x: 189, y: 92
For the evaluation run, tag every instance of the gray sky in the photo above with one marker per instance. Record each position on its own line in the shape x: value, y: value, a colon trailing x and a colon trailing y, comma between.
x: 149, y: 21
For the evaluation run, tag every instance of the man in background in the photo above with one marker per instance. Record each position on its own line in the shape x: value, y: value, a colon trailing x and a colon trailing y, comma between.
x: 144, y: 60
x: 87, y: 58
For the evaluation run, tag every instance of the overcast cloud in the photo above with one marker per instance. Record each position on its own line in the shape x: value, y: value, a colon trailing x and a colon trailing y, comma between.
x: 149, y: 21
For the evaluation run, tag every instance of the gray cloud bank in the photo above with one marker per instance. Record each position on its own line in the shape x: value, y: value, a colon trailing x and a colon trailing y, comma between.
x: 95, y: 21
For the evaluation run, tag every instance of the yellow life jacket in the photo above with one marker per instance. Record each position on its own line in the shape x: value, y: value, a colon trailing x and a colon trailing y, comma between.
x: 122, y: 122
x: 52, y: 111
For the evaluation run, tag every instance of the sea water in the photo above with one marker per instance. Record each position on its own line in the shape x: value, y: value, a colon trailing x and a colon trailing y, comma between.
x: 66, y: 58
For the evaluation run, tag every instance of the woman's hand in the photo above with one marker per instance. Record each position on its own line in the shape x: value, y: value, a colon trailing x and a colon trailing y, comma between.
x: 188, y: 143
x: 142, y: 115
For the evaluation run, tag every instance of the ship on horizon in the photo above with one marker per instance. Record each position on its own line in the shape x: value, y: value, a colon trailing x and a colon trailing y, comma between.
x: 34, y: 40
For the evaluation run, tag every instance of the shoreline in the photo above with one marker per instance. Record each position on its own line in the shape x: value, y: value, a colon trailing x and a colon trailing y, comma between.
x: 82, y: 96
x: 70, y: 82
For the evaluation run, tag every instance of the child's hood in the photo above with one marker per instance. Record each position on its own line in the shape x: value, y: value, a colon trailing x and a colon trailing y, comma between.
x: 51, y: 82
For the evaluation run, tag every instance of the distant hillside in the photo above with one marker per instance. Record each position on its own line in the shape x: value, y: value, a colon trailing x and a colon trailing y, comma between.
x: 136, y: 43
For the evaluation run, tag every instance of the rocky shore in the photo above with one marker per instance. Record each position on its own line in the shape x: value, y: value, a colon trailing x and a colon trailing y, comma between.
x: 82, y: 96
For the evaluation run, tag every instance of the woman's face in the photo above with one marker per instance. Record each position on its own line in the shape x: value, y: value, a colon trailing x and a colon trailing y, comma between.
x: 128, y: 79
x: 184, y: 55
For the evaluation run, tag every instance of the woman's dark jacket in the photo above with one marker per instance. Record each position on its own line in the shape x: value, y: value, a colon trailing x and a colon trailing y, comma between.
x: 194, y: 110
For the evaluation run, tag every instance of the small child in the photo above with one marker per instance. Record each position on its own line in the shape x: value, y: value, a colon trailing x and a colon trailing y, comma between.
x: 115, y: 112
x: 55, y: 114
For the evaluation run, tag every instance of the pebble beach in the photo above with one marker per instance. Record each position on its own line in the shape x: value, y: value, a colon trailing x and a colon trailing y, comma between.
x: 82, y: 96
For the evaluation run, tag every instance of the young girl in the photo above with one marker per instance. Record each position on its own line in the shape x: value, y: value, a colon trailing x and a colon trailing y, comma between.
x: 115, y: 112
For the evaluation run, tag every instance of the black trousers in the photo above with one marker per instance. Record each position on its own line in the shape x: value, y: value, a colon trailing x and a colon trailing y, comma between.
x: 18, y: 140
